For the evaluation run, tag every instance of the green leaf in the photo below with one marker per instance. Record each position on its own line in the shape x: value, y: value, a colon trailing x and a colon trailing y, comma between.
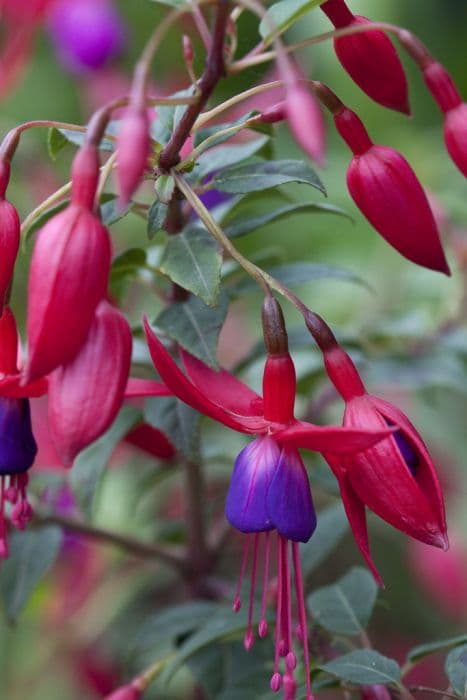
x: 156, y: 218
x: 364, y: 667
x: 176, y: 420
x: 110, y: 209
x: 247, y: 225
x: 346, y: 606
x: 164, y: 188
x: 293, y: 274
x: 331, y: 528
x: 192, y: 259
x: 282, y: 15
x: 456, y: 670
x: 195, y: 326
x: 202, y: 134
x: 168, y: 117
x: 226, y: 156
x: 127, y: 264
x: 422, y: 650
x: 263, y: 176
x: 56, y: 141
x: 32, y: 553
x: 171, y: 3
x: 77, y: 139
x: 90, y: 464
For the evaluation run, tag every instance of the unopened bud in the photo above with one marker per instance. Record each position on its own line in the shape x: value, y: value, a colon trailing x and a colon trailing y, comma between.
x: 274, y: 330
x: 134, y: 145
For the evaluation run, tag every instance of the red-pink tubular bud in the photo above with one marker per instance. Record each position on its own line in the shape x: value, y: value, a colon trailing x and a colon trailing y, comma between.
x: 306, y: 121
x: 86, y: 394
x: 8, y: 343
x: 126, y: 692
x: 134, y: 145
x: 389, y: 195
x: 441, y: 86
x: 85, y: 176
x: 279, y: 385
x: 273, y: 114
x: 343, y: 373
x: 370, y: 59
x: 9, y: 244
x: 68, y: 278
x: 455, y: 136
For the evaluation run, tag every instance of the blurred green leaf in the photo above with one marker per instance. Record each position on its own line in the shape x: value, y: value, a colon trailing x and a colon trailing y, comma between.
x: 247, y: 225
x: 77, y: 139
x: 282, y: 15
x: 331, y: 528
x: 127, y: 264
x: 262, y: 176
x: 32, y: 553
x: 90, y: 464
x: 193, y: 260
x: 421, y: 650
x: 176, y: 420
x: 156, y: 217
x: 168, y: 117
x: 456, y: 670
x: 164, y: 188
x: 56, y: 141
x: 195, y: 326
x: 296, y: 273
x: 364, y: 667
x: 345, y: 607
x: 226, y: 156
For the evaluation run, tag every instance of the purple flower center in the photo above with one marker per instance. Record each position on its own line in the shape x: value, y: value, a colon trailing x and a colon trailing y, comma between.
x: 408, y: 452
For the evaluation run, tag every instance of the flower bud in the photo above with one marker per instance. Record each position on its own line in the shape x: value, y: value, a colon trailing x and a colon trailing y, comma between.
x: 388, y: 193
x: 9, y: 234
x: 134, y: 145
x: 86, y: 394
x: 273, y: 114
x: 306, y: 121
x: 369, y: 58
x: 126, y: 692
x: 68, y: 277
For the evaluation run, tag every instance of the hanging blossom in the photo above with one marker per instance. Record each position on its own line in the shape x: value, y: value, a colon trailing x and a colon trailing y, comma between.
x: 269, y: 490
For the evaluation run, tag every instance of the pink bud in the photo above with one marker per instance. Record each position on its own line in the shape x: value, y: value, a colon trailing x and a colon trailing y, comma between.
x: 68, y: 277
x: 306, y: 121
x: 86, y: 394
x: 85, y: 176
x: 8, y: 342
x: 274, y: 113
x: 126, y: 692
x: 388, y: 193
x: 133, y: 150
x: 369, y: 58
x: 9, y: 234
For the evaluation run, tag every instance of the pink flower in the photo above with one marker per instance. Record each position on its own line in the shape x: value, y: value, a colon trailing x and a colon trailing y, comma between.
x: 306, y: 121
x: 389, y: 195
x: 9, y: 234
x: 134, y: 146
x: 369, y: 58
x: 126, y: 692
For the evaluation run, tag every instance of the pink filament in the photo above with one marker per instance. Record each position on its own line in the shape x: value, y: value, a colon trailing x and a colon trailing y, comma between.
x: 277, y: 652
x: 263, y: 625
x: 249, y: 638
x: 237, y: 603
x: 302, y: 616
x: 291, y: 661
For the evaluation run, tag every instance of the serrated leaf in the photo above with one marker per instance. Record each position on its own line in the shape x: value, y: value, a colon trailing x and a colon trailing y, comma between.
x: 179, y: 422
x: 422, y: 650
x: 195, y: 326
x: 282, y: 15
x: 90, y: 464
x: 227, y: 156
x: 248, y: 225
x: 456, y: 670
x: 192, y: 259
x: 331, y: 528
x: 156, y: 216
x: 32, y: 553
x: 345, y: 607
x: 265, y: 175
x: 56, y: 141
x: 364, y: 667
x: 77, y: 139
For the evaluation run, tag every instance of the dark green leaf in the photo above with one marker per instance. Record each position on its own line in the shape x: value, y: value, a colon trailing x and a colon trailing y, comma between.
x: 55, y: 142
x: 364, y: 667
x: 32, y: 553
x: 127, y: 264
x: 195, y: 326
x: 456, y: 670
x: 192, y: 259
x: 226, y: 156
x: 176, y: 420
x: 283, y: 14
x: 331, y: 528
x: 247, y: 225
x: 346, y: 606
x: 168, y: 117
x: 111, y: 211
x: 156, y: 217
x: 422, y: 650
x: 293, y: 274
x: 264, y: 175
x: 44, y: 217
x: 90, y: 464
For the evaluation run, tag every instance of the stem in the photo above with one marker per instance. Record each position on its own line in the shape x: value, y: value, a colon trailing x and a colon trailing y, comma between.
x: 215, y: 111
x: 197, y: 555
x: 171, y: 556
x: 214, y: 71
x: 106, y: 171
x: 212, y: 139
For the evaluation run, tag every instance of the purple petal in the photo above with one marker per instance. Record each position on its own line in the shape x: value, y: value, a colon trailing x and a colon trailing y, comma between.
x: 408, y: 452
x: 254, y: 468
x: 289, y: 503
x: 17, y: 445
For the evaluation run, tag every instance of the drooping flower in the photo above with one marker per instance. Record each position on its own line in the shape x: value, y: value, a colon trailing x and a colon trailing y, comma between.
x: 126, y: 692
x: 269, y: 490
x: 306, y: 121
x: 9, y: 234
x: 134, y: 145
x: 69, y: 273
x: 369, y: 58
x: 389, y: 195
x: 396, y: 477
x: 87, y: 34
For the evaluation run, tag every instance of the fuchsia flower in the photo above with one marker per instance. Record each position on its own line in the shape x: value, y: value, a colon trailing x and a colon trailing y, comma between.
x: 269, y: 489
x: 369, y: 58
x: 9, y: 234
x: 306, y: 121
x: 389, y: 195
x: 126, y: 692
x: 395, y: 478
x: 447, y: 96
x: 134, y: 146
x: 69, y: 273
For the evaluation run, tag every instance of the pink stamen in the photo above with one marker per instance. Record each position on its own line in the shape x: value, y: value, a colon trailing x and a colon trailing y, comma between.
x: 237, y: 602
x: 287, y: 604
x: 277, y: 652
x: 290, y: 687
x: 249, y: 637
x: 302, y: 617
x: 276, y: 682
x: 263, y: 625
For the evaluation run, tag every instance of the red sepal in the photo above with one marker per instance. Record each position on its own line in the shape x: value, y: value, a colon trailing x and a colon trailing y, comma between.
x: 9, y: 244
x: 330, y: 438
x: 145, y: 387
x: 152, y: 441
